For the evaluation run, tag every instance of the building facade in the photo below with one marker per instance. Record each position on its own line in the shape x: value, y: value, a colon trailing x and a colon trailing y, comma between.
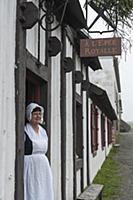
x: 40, y: 62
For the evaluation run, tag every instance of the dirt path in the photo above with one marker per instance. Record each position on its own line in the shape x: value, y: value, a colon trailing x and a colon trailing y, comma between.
x: 125, y: 158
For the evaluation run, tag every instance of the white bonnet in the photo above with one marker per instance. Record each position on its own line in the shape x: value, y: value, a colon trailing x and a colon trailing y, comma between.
x: 30, y: 108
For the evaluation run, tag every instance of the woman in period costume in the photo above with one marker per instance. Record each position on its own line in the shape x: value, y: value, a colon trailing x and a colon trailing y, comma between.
x: 37, y: 171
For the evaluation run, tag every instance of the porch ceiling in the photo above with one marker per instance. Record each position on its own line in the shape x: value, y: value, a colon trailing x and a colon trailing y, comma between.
x: 100, y: 98
x: 93, y: 63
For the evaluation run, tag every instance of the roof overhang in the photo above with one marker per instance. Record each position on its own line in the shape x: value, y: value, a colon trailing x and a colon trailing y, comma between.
x: 93, y: 63
x: 74, y: 15
x: 100, y: 98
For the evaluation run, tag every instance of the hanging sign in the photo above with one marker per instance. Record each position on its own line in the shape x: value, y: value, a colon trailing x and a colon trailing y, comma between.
x: 100, y: 47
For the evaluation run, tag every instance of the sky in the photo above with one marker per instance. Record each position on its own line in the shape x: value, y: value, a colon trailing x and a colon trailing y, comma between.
x: 125, y: 68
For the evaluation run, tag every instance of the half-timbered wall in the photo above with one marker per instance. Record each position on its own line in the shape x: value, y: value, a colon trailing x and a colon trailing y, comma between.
x: 7, y: 98
x: 78, y: 91
x: 69, y: 126
x: 81, y: 68
x: 54, y: 90
x: 85, y: 133
x: 78, y: 68
x: 32, y: 40
x: 56, y: 119
x: 97, y: 158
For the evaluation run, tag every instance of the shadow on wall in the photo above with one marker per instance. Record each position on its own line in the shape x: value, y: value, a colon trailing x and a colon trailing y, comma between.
x: 125, y: 127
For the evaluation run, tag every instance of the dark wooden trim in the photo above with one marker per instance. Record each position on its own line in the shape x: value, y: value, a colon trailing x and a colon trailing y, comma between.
x: 82, y: 169
x: 31, y: 64
x: 63, y: 117
x: 20, y: 76
x: 87, y: 131
x: 48, y: 65
x: 74, y: 130
x: 78, y: 98
x: 69, y: 34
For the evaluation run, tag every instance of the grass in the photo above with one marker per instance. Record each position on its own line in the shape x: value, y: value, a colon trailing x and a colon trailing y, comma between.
x: 109, y: 176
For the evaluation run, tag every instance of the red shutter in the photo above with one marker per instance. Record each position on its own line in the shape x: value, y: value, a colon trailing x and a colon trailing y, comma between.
x: 96, y: 131
x: 109, y: 125
x: 110, y: 133
x: 92, y: 129
x: 103, y: 130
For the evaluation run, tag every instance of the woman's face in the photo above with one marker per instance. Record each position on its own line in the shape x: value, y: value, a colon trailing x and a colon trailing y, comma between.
x: 36, y: 117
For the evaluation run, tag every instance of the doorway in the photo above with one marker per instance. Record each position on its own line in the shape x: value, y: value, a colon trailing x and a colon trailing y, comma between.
x: 36, y: 92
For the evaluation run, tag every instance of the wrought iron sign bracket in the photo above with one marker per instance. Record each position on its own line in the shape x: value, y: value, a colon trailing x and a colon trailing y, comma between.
x: 43, y: 14
x: 100, y: 12
x: 68, y: 64
x: 49, y: 10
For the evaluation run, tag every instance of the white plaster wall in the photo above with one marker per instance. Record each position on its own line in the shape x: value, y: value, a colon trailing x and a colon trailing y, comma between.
x: 107, y: 147
x: 78, y: 90
x: 105, y: 78
x: 78, y: 181
x: 7, y: 98
x: 69, y: 128
x: 56, y: 122
x: 110, y: 79
x: 32, y: 39
x: 95, y: 162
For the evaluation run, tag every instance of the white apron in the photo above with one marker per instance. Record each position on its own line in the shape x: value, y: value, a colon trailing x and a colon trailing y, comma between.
x: 37, y: 172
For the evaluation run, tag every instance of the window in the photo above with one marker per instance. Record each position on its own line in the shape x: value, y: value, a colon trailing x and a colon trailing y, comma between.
x: 94, y: 128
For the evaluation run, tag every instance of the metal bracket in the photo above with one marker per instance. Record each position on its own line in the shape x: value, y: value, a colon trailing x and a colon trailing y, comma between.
x: 68, y: 64
x: 54, y: 46
x: 78, y: 77
x: 100, y: 12
x: 49, y: 10
x: 85, y: 85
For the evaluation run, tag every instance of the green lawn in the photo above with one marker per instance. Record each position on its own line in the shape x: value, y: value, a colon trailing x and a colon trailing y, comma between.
x: 109, y: 176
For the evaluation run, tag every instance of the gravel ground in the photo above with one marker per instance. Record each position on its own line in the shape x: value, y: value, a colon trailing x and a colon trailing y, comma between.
x: 125, y: 158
